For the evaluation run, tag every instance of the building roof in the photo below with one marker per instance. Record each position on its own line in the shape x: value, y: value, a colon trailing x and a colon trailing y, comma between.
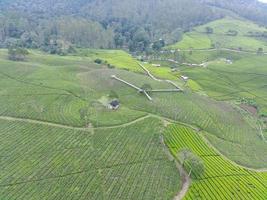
x: 114, y: 103
x: 185, y: 77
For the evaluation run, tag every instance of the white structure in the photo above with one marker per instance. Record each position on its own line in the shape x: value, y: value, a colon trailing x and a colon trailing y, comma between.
x: 184, y: 78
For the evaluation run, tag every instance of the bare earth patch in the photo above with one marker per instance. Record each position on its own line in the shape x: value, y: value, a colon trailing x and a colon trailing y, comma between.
x: 251, y: 109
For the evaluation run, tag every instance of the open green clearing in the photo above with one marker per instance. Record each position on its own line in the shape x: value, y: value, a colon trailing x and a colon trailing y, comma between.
x: 222, y: 179
x: 122, y: 60
x: 199, y: 39
x: 193, y: 40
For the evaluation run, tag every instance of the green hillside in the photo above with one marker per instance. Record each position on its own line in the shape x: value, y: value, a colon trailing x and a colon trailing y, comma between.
x: 226, y: 33
x: 245, y: 78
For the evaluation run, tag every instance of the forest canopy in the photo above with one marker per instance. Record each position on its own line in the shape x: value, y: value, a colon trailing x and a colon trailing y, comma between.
x: 57, y: 26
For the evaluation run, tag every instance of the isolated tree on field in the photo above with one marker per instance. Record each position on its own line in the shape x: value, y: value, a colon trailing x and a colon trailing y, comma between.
x: 209, y: 30
x: 260, y: 50
x: 98, y: 61
x: 183, y: 155
x: 191, y: 51
x: 191, y: 162
x: 183, y: 57
x: 17, y: 53
x: 196, y: 166
x: 232, y: 32
x: 84, y: 114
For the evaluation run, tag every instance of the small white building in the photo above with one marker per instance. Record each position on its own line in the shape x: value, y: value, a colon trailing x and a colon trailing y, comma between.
x: 156, y: 65
x: 184, y: 78
x: 228, y: 61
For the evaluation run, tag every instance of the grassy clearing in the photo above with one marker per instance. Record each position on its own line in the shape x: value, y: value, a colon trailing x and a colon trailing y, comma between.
x: 222, y: 26
x: 192, y: 40
x: 122, y: 60
x: 55, y: 163
x: 221, y: 179
x: 235, y: 42
x: 117, y: 58
x: 198, y: 39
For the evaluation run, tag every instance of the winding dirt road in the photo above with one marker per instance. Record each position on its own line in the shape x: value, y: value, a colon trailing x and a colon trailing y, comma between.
x: 33, y: 121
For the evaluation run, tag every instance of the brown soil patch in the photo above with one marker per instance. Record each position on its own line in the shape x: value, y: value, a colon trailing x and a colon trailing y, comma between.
x: 251, y: 109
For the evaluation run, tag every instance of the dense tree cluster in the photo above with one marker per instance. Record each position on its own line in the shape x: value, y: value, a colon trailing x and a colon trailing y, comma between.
x: 251, y: 9
x: 57, y: 26
x: 17, y: 53
x: 191, y: 162
x: 57, y: 35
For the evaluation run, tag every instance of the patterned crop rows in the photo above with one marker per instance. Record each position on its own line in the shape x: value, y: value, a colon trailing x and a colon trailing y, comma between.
x: 222, y: 179
x: 40, y: 162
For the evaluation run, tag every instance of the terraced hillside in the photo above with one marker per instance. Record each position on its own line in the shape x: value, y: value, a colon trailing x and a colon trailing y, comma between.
x: 40, y: 161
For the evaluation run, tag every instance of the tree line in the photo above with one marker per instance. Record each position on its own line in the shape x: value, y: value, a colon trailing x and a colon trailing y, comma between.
x: 58, y: 26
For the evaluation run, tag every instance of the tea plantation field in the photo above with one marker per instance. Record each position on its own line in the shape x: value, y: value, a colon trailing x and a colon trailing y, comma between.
x: 222, y: 179
x: 59, y: 139
x: 222, y: 36
x: 225, y: 122
x: 44, y: 162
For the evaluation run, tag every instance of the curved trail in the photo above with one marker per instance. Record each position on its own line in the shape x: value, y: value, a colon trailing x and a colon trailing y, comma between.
x: 185, y: 183
x: 33, y: 121
x: 184, y: 176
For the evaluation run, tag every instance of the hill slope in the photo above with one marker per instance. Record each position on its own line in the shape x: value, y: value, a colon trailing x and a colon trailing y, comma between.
x: 231, y: 33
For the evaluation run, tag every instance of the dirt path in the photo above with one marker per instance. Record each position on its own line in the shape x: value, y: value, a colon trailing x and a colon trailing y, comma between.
x: 33, y: 121
x: 185, y: 182
x: 184, y: 176
x: 125, y: 124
